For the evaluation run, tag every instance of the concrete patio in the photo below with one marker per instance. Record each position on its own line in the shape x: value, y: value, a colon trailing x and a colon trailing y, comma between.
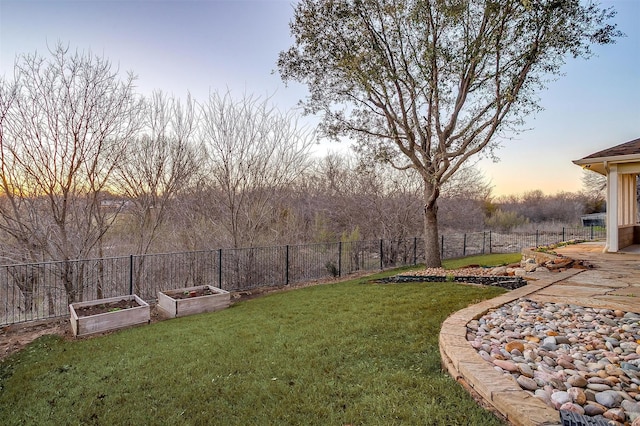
x: 613, y: 283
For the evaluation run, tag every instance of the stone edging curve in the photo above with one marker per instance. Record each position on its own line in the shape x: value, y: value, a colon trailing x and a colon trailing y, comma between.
x: 466, y: 366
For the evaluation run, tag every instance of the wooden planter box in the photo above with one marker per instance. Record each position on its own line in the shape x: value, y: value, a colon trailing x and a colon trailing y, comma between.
x: 110, y: 319
x: 178, y: 303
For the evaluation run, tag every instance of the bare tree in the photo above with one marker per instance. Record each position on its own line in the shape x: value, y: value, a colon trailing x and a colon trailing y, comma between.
x: 594, y: 187
x: 347, y: 194
x: 158, y: 167
x: 255, y: 153
x: 389, y: 199
x: 536, y: 207
x: 8, y: 92
x: 463, y: 200
x: 61, y: 138
x: 430, y: 84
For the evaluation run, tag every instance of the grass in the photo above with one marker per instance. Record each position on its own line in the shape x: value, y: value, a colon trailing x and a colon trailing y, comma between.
x: 347, y: 353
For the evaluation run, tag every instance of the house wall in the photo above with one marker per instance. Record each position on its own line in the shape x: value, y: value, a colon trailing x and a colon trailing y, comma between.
x: 622, y: 206
x: 612, y: 208
x: 627, y: 204
x: 625, y: 236
x: 628, y: 235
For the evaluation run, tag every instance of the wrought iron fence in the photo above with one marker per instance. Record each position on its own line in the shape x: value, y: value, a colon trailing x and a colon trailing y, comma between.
x: 38, y: 291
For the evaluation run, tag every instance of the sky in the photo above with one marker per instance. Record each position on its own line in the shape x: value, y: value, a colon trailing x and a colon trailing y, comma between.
x: 198, y: 46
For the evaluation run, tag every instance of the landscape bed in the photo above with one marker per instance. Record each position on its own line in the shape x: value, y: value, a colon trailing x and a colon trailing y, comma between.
x: 509, y: 283
x: 97, y: 316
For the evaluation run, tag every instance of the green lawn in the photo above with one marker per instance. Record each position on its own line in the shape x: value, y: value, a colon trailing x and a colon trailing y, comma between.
x: 353, y: 353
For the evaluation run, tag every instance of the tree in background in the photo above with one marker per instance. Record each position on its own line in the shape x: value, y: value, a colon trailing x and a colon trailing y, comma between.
x: 463, y: 200
x: 428, y: 85
x: 161, y: 163
x: 594, y: 186
x: 554, y: 210
x: 64, y: 130
x: 254, y: 155
x: 343, y: 193
x: 505, y: 221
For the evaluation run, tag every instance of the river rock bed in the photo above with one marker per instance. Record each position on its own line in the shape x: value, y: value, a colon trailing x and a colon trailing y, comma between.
x: 509, y: 283
x: 584, y: 360
x: 498, y: 276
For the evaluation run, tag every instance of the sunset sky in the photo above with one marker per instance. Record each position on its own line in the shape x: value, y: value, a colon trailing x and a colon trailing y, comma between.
x: 201, y: 45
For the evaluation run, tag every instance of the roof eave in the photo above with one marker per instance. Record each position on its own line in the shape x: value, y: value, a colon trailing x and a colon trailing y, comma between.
x: 597, y: 164
x: 628, y: 158
x: 597, y: 167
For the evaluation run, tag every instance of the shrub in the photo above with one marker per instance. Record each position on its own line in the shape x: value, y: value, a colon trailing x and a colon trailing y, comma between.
x: 505, y: 221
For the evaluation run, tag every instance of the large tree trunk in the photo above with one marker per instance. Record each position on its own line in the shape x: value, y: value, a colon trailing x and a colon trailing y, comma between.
x: 431, y: 238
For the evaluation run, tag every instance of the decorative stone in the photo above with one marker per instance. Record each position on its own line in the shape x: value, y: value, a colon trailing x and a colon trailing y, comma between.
x: 515, y: 345
x: 544, y: 396
x: 527, y: 383
x: 581, y: 358
x: 525, y: 370
x: 593, y: 409
x: 577, y: 381
x: 549, y: 343
x: 574, y: 408
x: 577, y: 395
x: 598, y: 387
x: 616, y: 414
x: 630, y: 407
x: 559, y: 398
x: 609, y: 398
x: 499, y: 270
x: 506, y: 365
x: 565, y: 363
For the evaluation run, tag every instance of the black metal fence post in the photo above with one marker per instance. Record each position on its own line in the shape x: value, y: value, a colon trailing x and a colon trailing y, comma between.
x: 536, y: 238
x: 591, y: 232
x: 464, y: 245
x: 442, y: 246
x: 490, y: 248
x: 340, y: 259
x: 484, y: 240
x: 220, y: 269
x: 415, y: 250
x: 563, y: 236
x: 287, y: 267
x: 130, y: 274
x: 381, y: 256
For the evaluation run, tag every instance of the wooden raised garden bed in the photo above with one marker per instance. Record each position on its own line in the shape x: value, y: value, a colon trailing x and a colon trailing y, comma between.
x: 97, y: 316
x: 192, y: 300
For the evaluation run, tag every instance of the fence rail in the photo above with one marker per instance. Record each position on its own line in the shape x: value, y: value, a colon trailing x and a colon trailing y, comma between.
x: 38, y: 291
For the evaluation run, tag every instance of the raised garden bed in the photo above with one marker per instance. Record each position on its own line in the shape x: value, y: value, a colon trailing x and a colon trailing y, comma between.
x: 97, y: 316
x: 192, y: 300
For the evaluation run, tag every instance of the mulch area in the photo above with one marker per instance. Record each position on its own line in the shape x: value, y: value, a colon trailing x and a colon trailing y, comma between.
x: 14, y: 337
